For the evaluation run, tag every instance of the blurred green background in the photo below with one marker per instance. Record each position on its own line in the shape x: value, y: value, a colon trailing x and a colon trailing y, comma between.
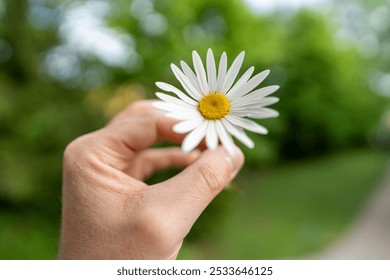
x: 66, y: 67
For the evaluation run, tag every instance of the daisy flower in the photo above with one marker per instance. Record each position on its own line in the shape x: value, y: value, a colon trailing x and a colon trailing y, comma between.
x: 215, y: 107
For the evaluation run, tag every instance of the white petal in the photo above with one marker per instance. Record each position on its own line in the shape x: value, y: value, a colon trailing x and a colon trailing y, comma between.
x: 257, y: 113
x: 238, y: 133
x: 170, y: 107
x: 252, y: 103
x: 211, y: 71
x: 191, y: 76
x: 232, y: 73
x: 173, y: 100
x: 265, y: 91
x: 267, y: 101
x: 225, y: 138
x: 181, y: 115
x: 179, y: 93
x: 251, y: 84
x: 194, y: 137
x: 221, y: 72
x: 241, y: 81
x: 211, y: 136
x: 256, y: 95
x: 247, y: 124
x: 187, y: 125
x: 185, y: 83
x: 200, y: 73
x: 174, y: 116
x: 263, y: 113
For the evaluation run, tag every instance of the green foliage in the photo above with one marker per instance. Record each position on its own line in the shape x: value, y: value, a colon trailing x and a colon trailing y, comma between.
x: 27, y: 234
x: 325, y: 101
x: 43, y: 120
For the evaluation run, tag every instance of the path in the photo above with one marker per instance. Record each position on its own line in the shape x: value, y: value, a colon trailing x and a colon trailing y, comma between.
x: 369, y: 236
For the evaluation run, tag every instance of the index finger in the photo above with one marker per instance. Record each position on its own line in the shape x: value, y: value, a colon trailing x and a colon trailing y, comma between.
x: 140, y: 125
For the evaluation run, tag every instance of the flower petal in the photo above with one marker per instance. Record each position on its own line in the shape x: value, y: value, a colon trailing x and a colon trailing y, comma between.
x: 263, y: 113
x: 244, y: 78
x: 211, y: 136
x: 238, y: 133
x: 188, y: 87
x: 200, y: 72
x: 256, y: 95
x: 221, y: 72
x: 191, y: 76
x: 181, y: 115
x: 225, y: 138
x: 194, y: 138
x: 173, y: 100
x: 179, y: 93
x: 211, y: 71
x: 256, y: 113
x: 252, y: 103
x: 232, y: 72
x: 247, y: 124
x: 187, y: 125
x: 170, y: 107
x: 265, y: 91
x: 250, y: 85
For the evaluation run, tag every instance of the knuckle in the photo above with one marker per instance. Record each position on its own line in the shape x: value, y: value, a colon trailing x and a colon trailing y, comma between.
x: 213, y: 179
x: 79, y: 151
x: 71, y: 150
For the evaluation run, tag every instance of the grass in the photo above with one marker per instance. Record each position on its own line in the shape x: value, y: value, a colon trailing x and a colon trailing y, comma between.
x: 284, y: 212
x: 294, y: 210
x: 27, y: 235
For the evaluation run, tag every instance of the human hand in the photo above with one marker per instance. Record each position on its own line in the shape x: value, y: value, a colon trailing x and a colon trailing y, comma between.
x: 110, y: 213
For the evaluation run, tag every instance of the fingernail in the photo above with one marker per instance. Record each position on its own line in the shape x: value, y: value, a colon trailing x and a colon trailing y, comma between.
x: 234, y: 174
x: 235, y: 161
x: 194, y: 155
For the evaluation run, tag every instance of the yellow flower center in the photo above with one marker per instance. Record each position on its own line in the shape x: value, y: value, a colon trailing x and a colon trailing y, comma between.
x: 214, y: 106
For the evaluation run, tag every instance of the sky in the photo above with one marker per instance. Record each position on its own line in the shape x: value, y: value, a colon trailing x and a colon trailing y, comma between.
x: 268, y: 6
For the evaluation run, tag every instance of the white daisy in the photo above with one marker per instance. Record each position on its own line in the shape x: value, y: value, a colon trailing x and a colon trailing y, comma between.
x: 216, y: 108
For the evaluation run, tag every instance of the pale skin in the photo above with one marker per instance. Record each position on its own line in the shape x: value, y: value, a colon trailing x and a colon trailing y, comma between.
x: 110, y: 213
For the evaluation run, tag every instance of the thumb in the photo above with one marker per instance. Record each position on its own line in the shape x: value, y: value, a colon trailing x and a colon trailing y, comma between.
x: 188, y: 193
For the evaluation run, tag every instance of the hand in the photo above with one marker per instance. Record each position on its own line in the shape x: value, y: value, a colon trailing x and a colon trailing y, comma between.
x: 110, y: 213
